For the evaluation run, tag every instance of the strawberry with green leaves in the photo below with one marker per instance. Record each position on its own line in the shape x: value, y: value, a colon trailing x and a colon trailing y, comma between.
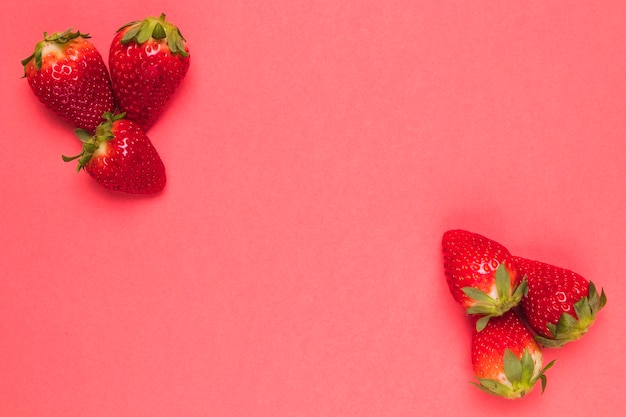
x: 561, y: 305
x: 148, y: 59
x: 120, y: 157
x: 481, y: 275
x: 67, y: 74
x: 506, y: 359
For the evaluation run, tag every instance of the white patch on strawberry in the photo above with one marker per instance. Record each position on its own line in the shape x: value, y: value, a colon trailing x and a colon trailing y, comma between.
x: 501, y: 378
x: 537, y: 357
x: 54, y: 49
x: 153, y: 49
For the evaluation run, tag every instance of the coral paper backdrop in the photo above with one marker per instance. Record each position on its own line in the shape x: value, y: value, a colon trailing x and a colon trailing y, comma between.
x: 315, y: 153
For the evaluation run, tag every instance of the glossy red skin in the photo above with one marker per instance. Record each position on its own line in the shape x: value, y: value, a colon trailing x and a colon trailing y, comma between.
x: 144, y: 77
x: 470, y: 260
x: 488, y: 345
x: 129, y: 163
x: 552, y: 291
x: 74, y: 85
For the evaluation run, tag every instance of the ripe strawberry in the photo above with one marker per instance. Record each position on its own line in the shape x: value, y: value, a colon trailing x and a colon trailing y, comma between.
x: 506, y: 359
x: 481, y: 274
x: 120, y: 157
x: 66, y: 72
x: 561, y: 305
x: 148, y: 60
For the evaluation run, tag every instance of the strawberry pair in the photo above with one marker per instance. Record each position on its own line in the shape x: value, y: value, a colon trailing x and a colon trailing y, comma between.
x: 148, y: 59
x: 504, y: 294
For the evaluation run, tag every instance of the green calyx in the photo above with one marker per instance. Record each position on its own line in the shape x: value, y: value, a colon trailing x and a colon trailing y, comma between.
x: 59, y: 38
x: 520, y: 374
x: 156, y: 28
x: 91, y: 143
x: 506, y: 298
x: 570, y: 328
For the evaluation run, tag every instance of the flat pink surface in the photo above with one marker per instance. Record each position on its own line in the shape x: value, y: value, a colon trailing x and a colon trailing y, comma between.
x: 315, y: 153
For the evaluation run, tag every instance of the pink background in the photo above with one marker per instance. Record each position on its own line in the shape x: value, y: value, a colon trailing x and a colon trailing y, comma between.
x: 316, y: 153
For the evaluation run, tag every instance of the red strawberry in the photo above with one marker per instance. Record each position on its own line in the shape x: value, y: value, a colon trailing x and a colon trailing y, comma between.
x: 148, y: 60
x: 66, y: 72
x: 506, y: 359
x: 561, y: 305
x: 120, y: 157
x: 481, y: 274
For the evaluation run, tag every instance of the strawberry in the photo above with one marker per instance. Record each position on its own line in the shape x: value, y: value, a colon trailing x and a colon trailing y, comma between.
x: 506, y: 359
x: 561, y: 305
x: 67, y: 74
x: 148, y: 60
x: 481, y: 274
x: 121, y: 157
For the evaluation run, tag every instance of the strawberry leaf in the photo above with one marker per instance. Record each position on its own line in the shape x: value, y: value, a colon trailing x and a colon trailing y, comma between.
x: 483, y: 310
x: 544, y: 382
x: 477, y: 295
x: 491, y: 386
x: 503, y: 282
x: 596, y: 302
x: 512, y: 367
x: 482, y: 322
x: 567, y: 321
x: 130, y: 34
x: 158, y: 32
x: 542, y: 375
x: 528, y: 366
x: 602, y: 301
x: 82, y: 135
x: 71, y: 158
x: 582, y: 308
x: 144, y: 34
x: 550, y: 343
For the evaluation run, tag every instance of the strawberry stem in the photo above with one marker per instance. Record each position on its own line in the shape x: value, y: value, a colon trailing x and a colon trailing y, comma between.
x: 158, y: 29
x: 494, y: 306
x: 59, y: 38
x: 91, y: 143
x: 521, y: 375
x: 570, y: 328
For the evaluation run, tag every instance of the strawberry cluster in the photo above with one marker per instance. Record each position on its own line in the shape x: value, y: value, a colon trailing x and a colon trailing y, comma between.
x: 517, y: 306
x: 112, y: 111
